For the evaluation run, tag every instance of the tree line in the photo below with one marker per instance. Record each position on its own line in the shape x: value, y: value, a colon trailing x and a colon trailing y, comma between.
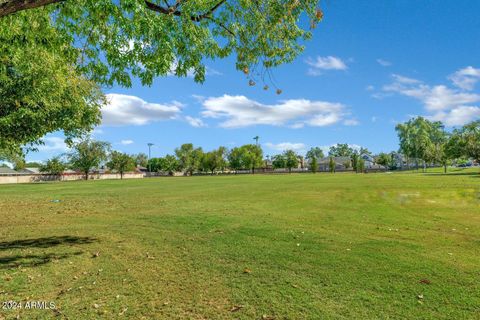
x: 427, y: 142
x: 422, y: 142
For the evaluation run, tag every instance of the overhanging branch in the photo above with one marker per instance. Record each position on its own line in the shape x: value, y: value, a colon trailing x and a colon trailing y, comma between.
x: 173, y: 10
x: 12, y: 6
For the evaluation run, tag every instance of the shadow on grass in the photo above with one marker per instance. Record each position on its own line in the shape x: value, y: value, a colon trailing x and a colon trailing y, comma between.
x: 45, y: 242
x: 33, y: 260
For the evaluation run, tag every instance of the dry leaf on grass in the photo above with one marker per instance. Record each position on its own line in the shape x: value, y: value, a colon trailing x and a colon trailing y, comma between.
x: 235, y: 308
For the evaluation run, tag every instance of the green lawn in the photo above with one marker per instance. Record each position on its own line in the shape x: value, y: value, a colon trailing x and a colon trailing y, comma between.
x: 304, y: 246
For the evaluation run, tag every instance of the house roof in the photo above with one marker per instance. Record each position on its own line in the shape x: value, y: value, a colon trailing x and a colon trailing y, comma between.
x: 338, y: 160
x: 30, y: 170
x: 4, y: 170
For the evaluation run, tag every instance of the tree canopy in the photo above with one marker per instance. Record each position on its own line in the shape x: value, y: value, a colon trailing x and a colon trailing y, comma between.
x: 341, y: 150
x: 41, y: 90
x: 146, y: 39
x: 88, y: 154
x: 121, y: 162
x: 314, y: 152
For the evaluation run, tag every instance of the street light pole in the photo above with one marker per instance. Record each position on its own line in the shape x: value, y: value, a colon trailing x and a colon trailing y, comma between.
x: 149, y: 157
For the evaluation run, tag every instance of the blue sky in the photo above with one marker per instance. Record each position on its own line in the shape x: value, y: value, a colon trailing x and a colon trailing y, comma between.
x: 370, y: 65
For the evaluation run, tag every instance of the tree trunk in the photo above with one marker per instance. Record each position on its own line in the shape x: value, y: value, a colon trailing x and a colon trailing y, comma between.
x: 121, y: 175
x: 445, y: 168
x: 13, y: 6
x: 86, y: 175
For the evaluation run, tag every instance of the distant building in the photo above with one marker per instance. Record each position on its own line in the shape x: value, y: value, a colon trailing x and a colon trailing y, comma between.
x: 7, y: 171
x: 30, y: 171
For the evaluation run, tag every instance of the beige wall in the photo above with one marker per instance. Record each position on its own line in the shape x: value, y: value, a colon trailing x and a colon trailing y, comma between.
x: 41, y: 177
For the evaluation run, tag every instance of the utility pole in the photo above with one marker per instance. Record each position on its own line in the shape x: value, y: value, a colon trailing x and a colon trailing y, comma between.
x: 149, y: 156
x: 256, y: 139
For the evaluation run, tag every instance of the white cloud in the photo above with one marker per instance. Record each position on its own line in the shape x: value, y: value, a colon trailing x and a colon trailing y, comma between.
x: 297, y: 147
x: 325, y: 63
x: 434, y: 98
x: 195, y: 122
x: 131, y: 110
x: 466, y: 78
x: 451, y: 106
x: 384, y: 63
x: 126, y: 142
x: 53, y: 144
x: 239, y: 111
x: 457, y: 116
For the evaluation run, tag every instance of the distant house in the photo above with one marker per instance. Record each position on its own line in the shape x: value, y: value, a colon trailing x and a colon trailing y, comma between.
x: 30, y: 171
x: 141, y: 169
x: 341, y: 163
x: 7, y: 171
x: 370, y: 162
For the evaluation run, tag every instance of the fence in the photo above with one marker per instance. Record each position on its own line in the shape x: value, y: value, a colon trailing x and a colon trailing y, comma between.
x: 30, y: 178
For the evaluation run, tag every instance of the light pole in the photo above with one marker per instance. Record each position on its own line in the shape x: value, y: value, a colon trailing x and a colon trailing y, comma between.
x: 149, y: 156
x: 256, y: 139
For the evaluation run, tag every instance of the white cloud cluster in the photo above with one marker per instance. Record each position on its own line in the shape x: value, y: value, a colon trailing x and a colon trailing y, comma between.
x: 318, y: 65
x: 297, y: 147
x: 131, y: 110
x: 466, y: 78
x: 239, y: 111
x: 53, y: 144
x: 451, y: 106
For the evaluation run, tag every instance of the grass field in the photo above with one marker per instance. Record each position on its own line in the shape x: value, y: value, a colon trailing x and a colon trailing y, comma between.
x: 343, y: 246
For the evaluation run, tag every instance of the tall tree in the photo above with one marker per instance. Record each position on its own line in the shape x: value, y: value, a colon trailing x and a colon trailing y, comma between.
x: 214, y: 159
x: 54, y: 166
x: 121, y: 162
x: 235, y: 159
x: 252, y: 156
x: 360, y: 166
x: 278, y: 161
x: 331, y: 165
x: 189, y: 158
x: 383, y: 159
x: 470, y: 140
x: 291, y: 160
x: 141, y: 159
x: 314, y: 164
x: 340, y: 150
x: 169, y: 164
x: 314, y: 152
x: 88, y: 154
x: 149, y: 38
x: 416, y: 139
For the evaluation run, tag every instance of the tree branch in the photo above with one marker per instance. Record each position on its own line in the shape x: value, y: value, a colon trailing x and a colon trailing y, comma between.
x: 12, y: 6
x: 174, y: 10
